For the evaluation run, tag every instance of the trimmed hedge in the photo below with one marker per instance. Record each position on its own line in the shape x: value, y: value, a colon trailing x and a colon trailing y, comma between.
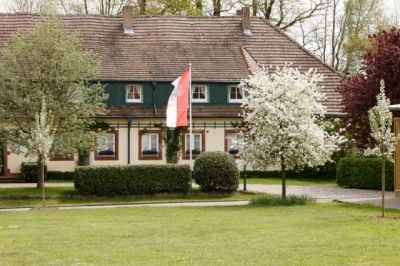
x: 29, y: 172
x: 56, y: 175
x: 327, y: 171
x: 363, y: 173
x: 216, y: 171
x: 132, y: 179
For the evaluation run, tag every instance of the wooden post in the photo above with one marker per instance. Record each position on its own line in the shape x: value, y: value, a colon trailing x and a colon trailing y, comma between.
x: 397, y: 159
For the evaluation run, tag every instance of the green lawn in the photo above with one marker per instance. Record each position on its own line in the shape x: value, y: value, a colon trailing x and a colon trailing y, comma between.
x: 30, y: 197
x: 293, y: 182
x: 314, y: 234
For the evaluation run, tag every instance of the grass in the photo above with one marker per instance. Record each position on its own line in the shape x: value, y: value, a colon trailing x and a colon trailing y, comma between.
x: 276, y: 200
x: 293, y: 182
x: 19, y: 197
x: 313, y: 234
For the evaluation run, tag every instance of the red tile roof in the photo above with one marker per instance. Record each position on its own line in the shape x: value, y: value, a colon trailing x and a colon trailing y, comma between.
x: 163, y: 46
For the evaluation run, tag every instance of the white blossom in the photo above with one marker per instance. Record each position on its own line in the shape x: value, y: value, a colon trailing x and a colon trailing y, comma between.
x: 41, y: 136
x: 281, y: 111
x: 380, y: 120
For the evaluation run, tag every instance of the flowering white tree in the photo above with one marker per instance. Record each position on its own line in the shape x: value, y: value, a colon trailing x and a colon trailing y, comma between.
x: 380, y: 121
x: 40, y: 139
x: 282, y: 111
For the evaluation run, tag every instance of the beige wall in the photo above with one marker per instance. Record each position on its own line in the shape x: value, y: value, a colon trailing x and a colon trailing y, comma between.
x: 214, y: 141
x: 15, y: 161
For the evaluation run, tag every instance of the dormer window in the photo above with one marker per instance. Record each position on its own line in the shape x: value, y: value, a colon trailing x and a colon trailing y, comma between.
x: 235, y: 94
x: 134, y: 93
x: 199, y: 93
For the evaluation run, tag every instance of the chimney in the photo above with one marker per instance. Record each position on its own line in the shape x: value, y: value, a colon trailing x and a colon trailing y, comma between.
x: 127, y: 24
x: 246, y: 20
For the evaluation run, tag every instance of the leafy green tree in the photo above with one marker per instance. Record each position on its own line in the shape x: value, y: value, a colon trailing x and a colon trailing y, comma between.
x: 48, y: 64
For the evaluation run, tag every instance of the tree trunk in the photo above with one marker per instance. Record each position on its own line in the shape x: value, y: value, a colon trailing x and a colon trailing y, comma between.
x: 40, y: 183
x: 217, y: 8
x: 142, y: 7
x: 283, y: 171
x: 199, y: 5
x: 383, y: 174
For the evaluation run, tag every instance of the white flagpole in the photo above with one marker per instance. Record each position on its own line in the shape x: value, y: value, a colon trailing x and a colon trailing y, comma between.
x: 190, y: 116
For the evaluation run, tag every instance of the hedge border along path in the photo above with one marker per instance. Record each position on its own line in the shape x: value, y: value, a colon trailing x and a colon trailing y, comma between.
x: 132, y: 179
x: 355, y: 172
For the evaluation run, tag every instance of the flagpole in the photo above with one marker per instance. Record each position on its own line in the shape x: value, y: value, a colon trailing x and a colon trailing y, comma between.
x: 190, y: 117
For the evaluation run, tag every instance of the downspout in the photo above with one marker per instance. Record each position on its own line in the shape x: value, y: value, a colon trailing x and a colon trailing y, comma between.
x: 153, y: 84
x: 129, y: 139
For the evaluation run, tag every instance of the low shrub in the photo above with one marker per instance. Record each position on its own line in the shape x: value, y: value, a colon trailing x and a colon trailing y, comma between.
x: 327, y: 171
x: 132, y: 179
x: 356, y: 172
x: 56, y: 175
x: 216, y: 171
x: 29, y: 172
x: 276, y: 200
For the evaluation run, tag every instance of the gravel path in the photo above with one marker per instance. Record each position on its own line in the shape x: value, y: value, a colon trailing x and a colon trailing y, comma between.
x: 321, y: 192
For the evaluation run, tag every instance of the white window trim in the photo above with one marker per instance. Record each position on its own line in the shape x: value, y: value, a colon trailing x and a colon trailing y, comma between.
x: 157, y: 139
x: 228, y: 140
x: 133, y: 100
x: 229, y: 95
x: 114, y: 146
x: 187, y: 140
x: 200, y: 100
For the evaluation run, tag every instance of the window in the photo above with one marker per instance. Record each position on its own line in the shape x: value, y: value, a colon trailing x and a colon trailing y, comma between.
x: 199, y: 94
x: 150, y: 145
x: 235, y: 94
x: 231, y: 142
x: 133, y: 93
x: 198, y: 144
x: 107, y: 146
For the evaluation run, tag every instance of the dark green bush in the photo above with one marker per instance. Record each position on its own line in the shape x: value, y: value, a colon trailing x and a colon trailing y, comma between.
x: 55, y: 175
x: 132, y: 179
x: 29, y: 172
x: 356, y: 172
x: 216, y: 171
x: 327, y: 171
x: 276, y: 200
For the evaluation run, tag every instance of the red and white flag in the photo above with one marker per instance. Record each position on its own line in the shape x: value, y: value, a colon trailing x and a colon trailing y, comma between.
x: 178, y: 101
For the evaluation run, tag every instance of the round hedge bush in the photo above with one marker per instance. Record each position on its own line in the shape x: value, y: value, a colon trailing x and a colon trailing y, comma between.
x: 216, y: 171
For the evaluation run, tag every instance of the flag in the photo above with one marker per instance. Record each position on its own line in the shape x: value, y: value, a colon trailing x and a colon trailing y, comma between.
x: 178, y: 101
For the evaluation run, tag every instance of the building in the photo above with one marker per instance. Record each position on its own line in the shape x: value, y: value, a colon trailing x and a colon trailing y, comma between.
x: 142, y: 55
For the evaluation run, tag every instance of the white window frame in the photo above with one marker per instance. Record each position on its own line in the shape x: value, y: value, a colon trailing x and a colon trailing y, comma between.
x: 114, y: 146
x: 206, y: 94
x: 134, y: 100
x: 149, y: 140
x: 230, y: 100
x: 187, y: 141
x: 228, y: 139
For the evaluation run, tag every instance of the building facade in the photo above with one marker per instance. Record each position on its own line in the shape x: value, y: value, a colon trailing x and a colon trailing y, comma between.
x: 142, y: 55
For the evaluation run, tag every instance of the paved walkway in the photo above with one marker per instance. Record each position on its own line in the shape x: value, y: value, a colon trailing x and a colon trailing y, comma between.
x: 160, y: 204
x: 323, y: 193
x: 21, y: 185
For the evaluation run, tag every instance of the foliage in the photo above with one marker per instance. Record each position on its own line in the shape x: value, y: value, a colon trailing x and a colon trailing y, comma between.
x: 216, y: 171
x: 29, y: 172
x: 132, y: 179
x: 363, y: 173
x: 324, y: 172
x: 48, y: 65
x: 282, y: 112
x: 380, y: 120
x: 173, y: 141
x: 65, y: 71
x: 274, y: 200
x: 56, y: 175
x: 359, y: 91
